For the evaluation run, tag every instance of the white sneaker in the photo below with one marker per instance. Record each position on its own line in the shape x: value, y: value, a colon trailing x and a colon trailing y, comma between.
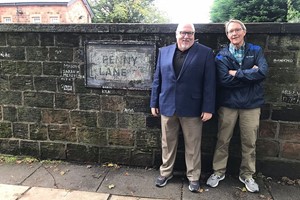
x: 250, y: 184
x: 213, y: 180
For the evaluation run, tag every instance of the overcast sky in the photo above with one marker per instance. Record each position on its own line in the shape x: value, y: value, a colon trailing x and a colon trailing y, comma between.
x: 194, y: 11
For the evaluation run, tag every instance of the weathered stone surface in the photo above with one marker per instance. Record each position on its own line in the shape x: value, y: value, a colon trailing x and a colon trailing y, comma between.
x: 56, y: 151
x: 81, y: 153
x: 94, y: 136
x: 286, y: 113
x: 38, y: 132
x: 291, y: 150
x: 138, y: 104
x: 112, y: 103
x: 107, y: 119
x: 29, y: 68
x: 66, y: 101
x: 12, y: 53
x: 268, y: 129
x: 62, y: 133
x: 20, y: 130
x: 268, y: 148
x: 23, y: 39
x: 21, y: 83
x: 115, y: 155
x: 131, y: 121
x: 39, y: 99
x: 30, y: 148
x: 55, y: 116
x: 8, y: 67
x: 26, y: 114
x: 81, y: 118
x: 45, y: 84
x: 10, y: 113
x: 289, y: 131
x: 54, y: 69
x: 61, y: 54
x: 121, y: 137
x: 9, y: 146
x: 5, y: 130
x: 4, y: 84
x: 147, y: 140
x: 89, y: 102
x: 37, y: 53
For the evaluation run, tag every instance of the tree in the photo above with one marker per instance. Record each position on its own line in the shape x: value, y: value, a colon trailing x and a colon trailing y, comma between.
x: 126, y: 11
x: 293, y: 11
x: 250, y: 11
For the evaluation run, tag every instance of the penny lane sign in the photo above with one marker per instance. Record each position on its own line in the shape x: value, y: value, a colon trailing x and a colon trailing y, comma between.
x: 119, y: 64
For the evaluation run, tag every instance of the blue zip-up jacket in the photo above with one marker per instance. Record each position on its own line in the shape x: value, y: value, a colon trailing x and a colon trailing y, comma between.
x: 245, y: 89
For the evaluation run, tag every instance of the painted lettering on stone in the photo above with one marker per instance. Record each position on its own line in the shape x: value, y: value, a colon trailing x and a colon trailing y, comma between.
x: 289, y: 96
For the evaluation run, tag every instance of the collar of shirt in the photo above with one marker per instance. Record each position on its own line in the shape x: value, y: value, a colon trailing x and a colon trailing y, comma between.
x: 237, y: 53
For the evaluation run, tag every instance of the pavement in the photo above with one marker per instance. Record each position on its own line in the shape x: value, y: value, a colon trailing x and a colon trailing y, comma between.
x: 72, y: 181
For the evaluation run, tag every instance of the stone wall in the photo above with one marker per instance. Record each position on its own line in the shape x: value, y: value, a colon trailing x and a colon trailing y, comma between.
x: 48, y: 112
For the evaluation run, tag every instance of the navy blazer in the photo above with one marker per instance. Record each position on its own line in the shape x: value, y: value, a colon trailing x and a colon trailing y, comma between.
x: 193, y: 92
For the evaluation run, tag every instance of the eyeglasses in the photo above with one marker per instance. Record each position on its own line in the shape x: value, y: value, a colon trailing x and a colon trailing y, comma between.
x: 183, y: 33
x: 237, y: 30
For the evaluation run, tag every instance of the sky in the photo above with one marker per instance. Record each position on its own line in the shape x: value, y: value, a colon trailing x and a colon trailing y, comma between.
x: 194, y: 11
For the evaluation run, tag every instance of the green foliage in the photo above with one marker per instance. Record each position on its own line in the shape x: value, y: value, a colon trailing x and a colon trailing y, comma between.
x: 126, y: 11
x: 250, y: 11
x: 293, y: 11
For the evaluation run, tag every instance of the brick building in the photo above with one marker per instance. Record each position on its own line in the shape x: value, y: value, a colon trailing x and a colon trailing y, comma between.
x: 45, y: 11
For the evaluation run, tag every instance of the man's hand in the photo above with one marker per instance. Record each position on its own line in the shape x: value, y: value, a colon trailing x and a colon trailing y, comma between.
x: 206, y: 116
x: 155, y: 112
x: 232, y: 72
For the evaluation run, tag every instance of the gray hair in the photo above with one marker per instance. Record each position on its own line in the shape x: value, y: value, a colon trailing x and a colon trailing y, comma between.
x: 234, y: 21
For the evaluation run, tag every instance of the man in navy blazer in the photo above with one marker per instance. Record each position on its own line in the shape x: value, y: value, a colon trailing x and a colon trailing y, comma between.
x: 183, y: 93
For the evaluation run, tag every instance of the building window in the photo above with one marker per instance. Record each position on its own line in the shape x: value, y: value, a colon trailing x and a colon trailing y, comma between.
x: 36, y: 19
x: 7, y: 20
x: 54, y: 19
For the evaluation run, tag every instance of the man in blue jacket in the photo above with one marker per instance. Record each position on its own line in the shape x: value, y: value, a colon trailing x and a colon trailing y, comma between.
x: 241, y: 69
x: 183, y: 93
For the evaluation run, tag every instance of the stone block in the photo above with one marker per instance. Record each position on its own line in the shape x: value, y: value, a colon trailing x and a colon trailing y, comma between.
x: 4, y: 83
x: 67, y: 40
x: 284, y: 76
x: 47, y: 39
x: 89, y: 102
x: 82, y: 118
x: 107, y: 120
x: 26, y: 114
x: 39, y: 99
x: 11, y: 97
x: 5, y: 130
x: 141, y: 159
x: 115, y: 155
x: 147, y: 140
x: 76, y: 152
x: 66, y: 101
x: 23, y: 39
x: 37, y: 53
x: 267, y: 148
x: 112, y: 103
x: 38, y: 131
x: 52, y: 69
x: 21, y: 83
x: 80, y: 86
x: 61, y: 54
x: 268, y: 129
x: 281, y: 59
x: 50, y: 116
x: 8, y: 67
x: 289, y: 131
x: 12, y: 53
x: 286, y: 113
x: 121, y: 137
x: 53, y: 151
x: 290, y: 150
x: 2, y: 39
x: 93, y: 136
x: 29, y: 68
x: 45, y: 84
x: 20, y: 130
x: 131, y: 121
x: 138, y: 104
x: 9, y: 113
x: 29, y: 148
x: 65, y: 85
x: 62, y: 133
x: 9, y: 146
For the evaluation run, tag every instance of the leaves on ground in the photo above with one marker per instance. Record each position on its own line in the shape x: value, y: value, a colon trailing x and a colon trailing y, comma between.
x: 111, y: 186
